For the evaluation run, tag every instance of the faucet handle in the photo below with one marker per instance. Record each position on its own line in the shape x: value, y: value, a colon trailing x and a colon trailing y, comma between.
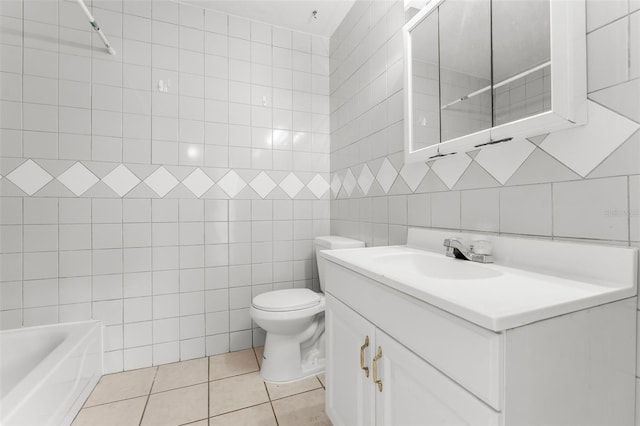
x: 481, y: 247
x: 448, y: 242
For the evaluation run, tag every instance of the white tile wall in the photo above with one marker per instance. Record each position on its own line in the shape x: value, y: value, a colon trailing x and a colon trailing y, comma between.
x: 120, y: 202
x: 529, y: 187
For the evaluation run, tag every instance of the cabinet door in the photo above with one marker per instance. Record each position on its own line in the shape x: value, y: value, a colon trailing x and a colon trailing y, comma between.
x: 415, y: 393
x: 349, y: 397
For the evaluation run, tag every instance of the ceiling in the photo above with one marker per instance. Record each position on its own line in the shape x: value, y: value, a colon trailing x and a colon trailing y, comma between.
x: 292, y: 14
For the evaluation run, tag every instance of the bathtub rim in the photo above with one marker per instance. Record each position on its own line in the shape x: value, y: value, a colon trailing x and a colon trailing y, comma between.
x: 78, y: 333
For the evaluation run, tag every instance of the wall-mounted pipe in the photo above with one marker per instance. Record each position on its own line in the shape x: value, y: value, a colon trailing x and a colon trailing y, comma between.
x: 95, y: 26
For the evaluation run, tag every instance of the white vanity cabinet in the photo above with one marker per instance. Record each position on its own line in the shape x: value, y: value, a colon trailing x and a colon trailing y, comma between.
x: 436, y: 368
x: 409, y: 392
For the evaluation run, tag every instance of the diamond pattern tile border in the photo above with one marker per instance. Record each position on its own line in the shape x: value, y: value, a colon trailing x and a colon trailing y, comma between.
x: 79, y: 179
x: 366, y: 179
x: 318, y: 186
x: 198, y: 182
x: 232, y: 184
x: 29, y: 177
x: 291, y: 185
x: 161, y: 181
x: 121, y: 180
x: 262, y: 184
x: 501, y: 162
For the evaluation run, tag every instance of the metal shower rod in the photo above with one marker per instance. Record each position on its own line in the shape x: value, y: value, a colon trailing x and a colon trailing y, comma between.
x: 95, y: 26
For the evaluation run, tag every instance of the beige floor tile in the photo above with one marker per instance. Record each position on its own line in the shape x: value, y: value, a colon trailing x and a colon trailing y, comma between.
x: 235, y: 393
x: 260, y: 415
x: 322, y: 379
x: 180, y: 374
x: 121, y: 413
x: 302, y: 410
x: 232, y: 364
x: 119, y: 386
x: 277, y: 391
x: 259, y: 351
x: 176, y: 407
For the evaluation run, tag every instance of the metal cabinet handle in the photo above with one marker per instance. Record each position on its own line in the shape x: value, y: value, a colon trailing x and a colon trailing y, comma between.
x: 362, y: 348
x: 375, y: 369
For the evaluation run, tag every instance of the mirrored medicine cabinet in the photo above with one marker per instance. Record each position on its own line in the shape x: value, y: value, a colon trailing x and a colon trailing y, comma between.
x: 481, y: 72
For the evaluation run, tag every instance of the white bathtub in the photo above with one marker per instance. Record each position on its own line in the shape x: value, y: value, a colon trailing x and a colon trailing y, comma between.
x: 47, y: 372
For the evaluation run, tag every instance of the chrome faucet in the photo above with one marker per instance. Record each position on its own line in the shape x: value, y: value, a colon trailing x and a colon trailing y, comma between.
x: 456, y: 249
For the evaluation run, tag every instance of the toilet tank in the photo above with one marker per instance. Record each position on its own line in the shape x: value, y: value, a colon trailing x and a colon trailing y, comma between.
x: 332, y: 242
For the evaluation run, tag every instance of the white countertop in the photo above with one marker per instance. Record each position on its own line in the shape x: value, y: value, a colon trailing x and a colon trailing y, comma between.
x: 492, y: 296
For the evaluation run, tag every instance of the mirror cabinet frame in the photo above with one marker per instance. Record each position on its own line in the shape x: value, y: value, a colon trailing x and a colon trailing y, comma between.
x: 568, y: 85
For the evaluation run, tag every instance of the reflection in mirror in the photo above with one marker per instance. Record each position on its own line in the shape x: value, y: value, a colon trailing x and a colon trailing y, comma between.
x: 425, y: 82
x: 465, y: 67
x: 521, y: 59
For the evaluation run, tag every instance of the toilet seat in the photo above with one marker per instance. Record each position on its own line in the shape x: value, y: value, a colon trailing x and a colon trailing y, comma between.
x: 292, y: 299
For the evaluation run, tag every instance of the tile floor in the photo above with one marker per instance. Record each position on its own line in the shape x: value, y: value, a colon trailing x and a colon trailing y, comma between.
x: 219, y: 390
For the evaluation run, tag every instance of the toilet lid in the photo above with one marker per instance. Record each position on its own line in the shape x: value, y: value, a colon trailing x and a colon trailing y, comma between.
x: 286, y: 300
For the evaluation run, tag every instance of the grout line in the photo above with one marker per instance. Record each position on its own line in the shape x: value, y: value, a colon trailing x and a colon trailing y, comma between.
x: 299, y: 393
x: 148, y: 396
x: 274, y: 413
x: 113, y: 402
x: 266, y: 388
x: 177, y: 388
x: 240, y: 409
x: 606, y: 24
x: 235, y: 375
x: 195, y: 421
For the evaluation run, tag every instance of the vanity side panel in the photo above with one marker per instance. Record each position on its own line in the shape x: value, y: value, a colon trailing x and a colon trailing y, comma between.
x: 468, y: 354
x: 576, y: 369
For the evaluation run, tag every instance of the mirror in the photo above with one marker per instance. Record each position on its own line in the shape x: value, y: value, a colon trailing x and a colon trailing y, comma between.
x: 465, y: 67
x: 426, y: 84
x: 521, y: 59
x: 483, y: 72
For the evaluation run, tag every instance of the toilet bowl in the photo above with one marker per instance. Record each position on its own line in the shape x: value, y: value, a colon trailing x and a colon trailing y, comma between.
x: 294, y: 322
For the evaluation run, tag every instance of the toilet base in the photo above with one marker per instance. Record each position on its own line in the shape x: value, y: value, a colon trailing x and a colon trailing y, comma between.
x: 286, y: 360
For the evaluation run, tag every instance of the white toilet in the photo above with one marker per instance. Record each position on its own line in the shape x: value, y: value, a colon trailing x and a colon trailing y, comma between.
x: 294, y: 322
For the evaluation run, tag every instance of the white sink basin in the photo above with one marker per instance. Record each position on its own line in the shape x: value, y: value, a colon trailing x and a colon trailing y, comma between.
x: 435, y: 267
x: 532, y: 280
